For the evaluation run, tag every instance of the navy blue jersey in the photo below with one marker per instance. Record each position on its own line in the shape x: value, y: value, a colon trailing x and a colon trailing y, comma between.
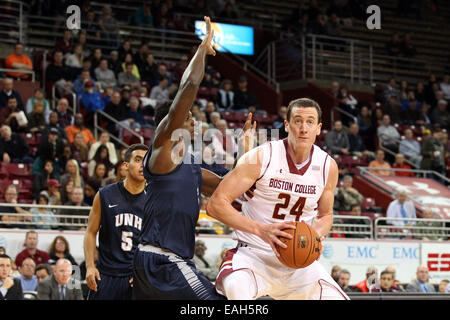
x: 172, y: 207
x: 121, y: 221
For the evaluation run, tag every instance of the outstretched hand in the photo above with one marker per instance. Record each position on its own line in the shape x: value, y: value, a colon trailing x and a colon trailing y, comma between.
x: 247, y: 137
x: 207, y: 42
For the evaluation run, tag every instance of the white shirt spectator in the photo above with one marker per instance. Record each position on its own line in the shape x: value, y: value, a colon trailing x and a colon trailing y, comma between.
x: 394, y: 210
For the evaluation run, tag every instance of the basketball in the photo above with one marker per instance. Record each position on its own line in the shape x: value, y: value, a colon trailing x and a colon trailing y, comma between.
x: 303, y: 249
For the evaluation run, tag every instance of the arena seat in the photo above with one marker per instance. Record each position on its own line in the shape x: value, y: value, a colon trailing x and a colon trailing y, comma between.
x: 18, y: 170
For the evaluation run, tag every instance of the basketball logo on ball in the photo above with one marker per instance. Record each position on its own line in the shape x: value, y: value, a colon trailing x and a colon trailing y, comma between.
x: 303, y: 249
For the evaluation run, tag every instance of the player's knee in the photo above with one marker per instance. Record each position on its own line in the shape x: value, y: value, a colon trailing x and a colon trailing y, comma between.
x: 239, y: 285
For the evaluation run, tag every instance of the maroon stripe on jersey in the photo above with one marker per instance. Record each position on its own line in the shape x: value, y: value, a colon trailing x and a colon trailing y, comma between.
x: 292, y: 168
x: 268, y: 164
x: 250, y: 192
x: 324, y: 164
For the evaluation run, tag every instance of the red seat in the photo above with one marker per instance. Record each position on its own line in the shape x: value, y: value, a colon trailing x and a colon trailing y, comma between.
x: 130, y: 138
x: 228, y: 115
x: 241, y: 116
x: 30, y: 138
x: 18, y: 170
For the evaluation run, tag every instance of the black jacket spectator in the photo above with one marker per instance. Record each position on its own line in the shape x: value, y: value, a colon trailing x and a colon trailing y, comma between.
x: 14, y: 293
x: 4, y: 96
x: 16, y: 147
x: 51, y: 147
x: 57, y: 70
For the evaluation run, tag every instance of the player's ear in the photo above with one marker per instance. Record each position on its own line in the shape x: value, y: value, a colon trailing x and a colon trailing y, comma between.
x: 319, y: 127
x: 286, y: 126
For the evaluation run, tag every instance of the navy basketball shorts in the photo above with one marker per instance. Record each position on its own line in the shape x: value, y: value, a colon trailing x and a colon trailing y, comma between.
x: 163, y: 275
x: 112, y: 288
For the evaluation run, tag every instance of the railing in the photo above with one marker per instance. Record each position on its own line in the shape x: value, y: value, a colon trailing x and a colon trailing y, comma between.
x: 342, y: 225
x: 124, y: 127
x: 12, y: 20
x: 419, y: 173
x: 33, y: 76
x: 55, y: 221
x: 74, y: 101
x: 336, y: 108
x: 385, y: 229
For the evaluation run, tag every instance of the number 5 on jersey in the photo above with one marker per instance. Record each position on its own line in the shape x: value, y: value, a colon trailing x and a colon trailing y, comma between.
x: 127, y: 241
x: 296, y: 210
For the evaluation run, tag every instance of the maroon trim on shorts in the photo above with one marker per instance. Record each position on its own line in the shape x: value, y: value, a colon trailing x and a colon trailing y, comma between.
x: 292, y: 168
x: 318, y: 281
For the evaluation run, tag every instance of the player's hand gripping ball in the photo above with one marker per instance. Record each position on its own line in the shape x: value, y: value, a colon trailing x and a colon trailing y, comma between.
x: 303, y: 249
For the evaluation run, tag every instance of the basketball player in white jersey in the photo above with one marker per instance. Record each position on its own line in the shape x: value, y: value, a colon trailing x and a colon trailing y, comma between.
x: 281, y: 181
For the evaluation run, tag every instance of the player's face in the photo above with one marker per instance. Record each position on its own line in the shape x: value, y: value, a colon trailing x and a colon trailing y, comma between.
x: 303, y: 126
x: 135, y: 166
x: 386, y: 281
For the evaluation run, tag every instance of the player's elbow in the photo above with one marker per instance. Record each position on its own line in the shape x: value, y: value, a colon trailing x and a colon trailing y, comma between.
x: 212, y: 207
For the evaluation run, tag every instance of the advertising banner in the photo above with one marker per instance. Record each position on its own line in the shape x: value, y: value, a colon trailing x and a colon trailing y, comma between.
x: 436, y: 256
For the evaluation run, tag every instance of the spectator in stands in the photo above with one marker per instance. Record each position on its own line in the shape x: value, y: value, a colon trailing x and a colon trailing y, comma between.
x: 410, y: 110
x: 410, y: 147
x: 65, y: 45
x: 50, y: 147
x: 10, y: 288
x: 76, y: 199
x: 393, y: 108
x: 8, y: 91
x: 65, y: 118
x: 117, y: 109
x: 443, y: 284
x: 136, y: 113
x: 208, y: 268
x: 80, y: 150
x: 388, y: 134
x: 404, y: 89
x: 91, y: 101
x: 38, y: 95
x: 89, y: 24
x: 334, y: 89
x: 36, y: 118
x: 160, y: 93
x: 75, y: 60
x: 143, y: 16
x: 77, y: 127
x: 104, y: 75
x: 244, y: 100
x: 441, y: 115
x: 11, y: 196
x: 14, y: 117
x: 60, y: 249
x: 124, y: 49
x: 356, y: 144
x: 391, y: 89
x: 139, y: 57
x: 91, y: 186
x: 419, y: 92
x: 343, y: 280
x: 386, y: 283
x: 57, y: 287
x: 347, y: 196
x: 421, y: 283
x: 111, y: 27
x: 429, y: 230
x: 401, y: 164
x: 31, y: 250
x: 396, y: 284
x: 393, y: 47
x: 407, y: 49
x: 114, y: 63
x: 66, y: 190
x: 19, y: 61
x: 380, y: 163
x: 95, y: 58
x: 366, y: 127
x: 43, y: 218
x: 336, y: 140
x: 335, y: 272
x: 52, y: 192
x: 127, y: 78
x: 13, y: 147
x: 104, y: 140
x: 433, y: 152
x: 72, y: 173
x: 27, y: 278
x: 100, y: 156
x: 318, y: 25
x: 79, y: 85
x: 40, y: 179
x: 149, y: 69
x: 348, y: 103
x: 445, y: 86
x: 401, y: 208
x: 43, y: 271
x: 371, y: 277
x: 279, y: 122
x: 224, y: 145
x: 424, y: 117
x: 357, y: 232
x: 129, y: 58
x: 53, y: 122
x: 225, y: 95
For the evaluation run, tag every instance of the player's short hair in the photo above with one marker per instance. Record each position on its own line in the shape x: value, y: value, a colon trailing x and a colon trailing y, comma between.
x: 5, y: 256
x: 133, y: 147
x: 304, y: 103
x: 343, y: 271
x: 161, y: 111
x: 44, y: 266
x: 386, y: 272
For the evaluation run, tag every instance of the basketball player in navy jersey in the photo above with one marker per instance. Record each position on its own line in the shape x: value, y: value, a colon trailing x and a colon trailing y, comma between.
x: 117, y: 214
x: 162, y: 265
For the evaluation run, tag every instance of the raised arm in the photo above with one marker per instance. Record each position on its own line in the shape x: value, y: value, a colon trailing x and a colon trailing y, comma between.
x: 238, y: 181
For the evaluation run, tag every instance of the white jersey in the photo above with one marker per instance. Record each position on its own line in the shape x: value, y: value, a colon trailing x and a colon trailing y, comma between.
x: 283, y: 192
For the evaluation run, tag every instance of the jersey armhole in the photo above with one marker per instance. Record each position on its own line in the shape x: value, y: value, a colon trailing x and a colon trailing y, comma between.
x: 326, y: 170
x: 266, y: 160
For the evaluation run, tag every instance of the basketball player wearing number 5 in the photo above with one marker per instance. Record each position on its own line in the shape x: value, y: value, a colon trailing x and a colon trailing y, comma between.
x: 117, y: 214
x: 282, y: 181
